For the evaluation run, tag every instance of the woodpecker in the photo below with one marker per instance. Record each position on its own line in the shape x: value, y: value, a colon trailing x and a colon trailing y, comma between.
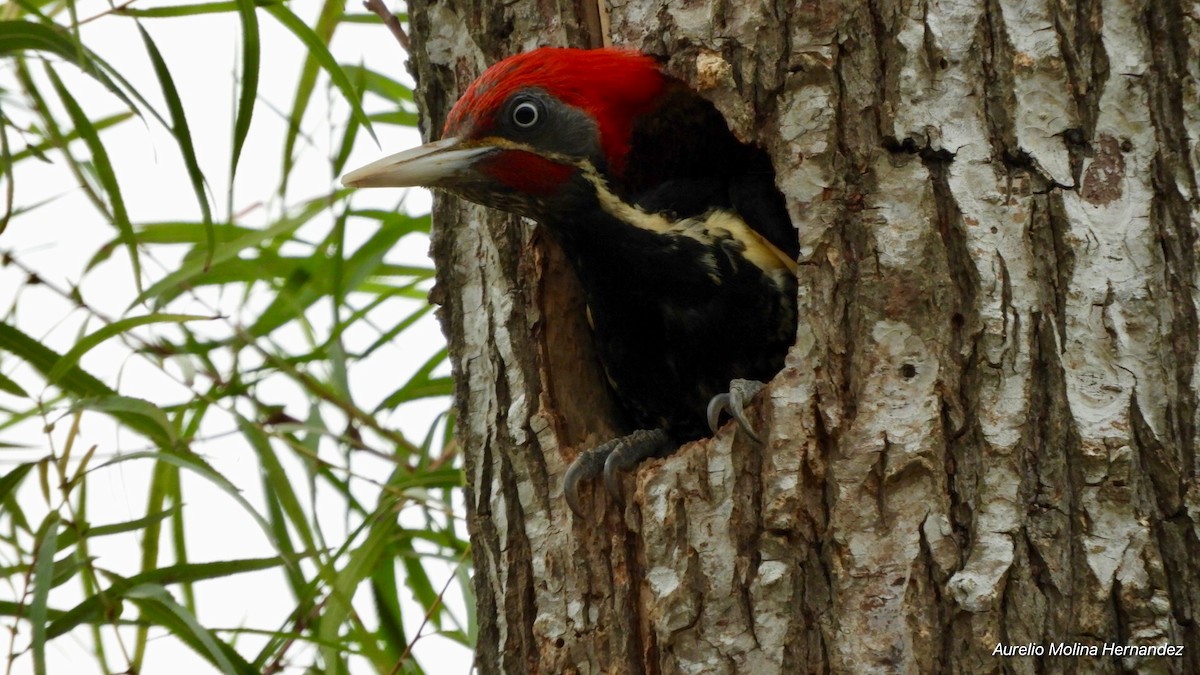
x: 676, y: 230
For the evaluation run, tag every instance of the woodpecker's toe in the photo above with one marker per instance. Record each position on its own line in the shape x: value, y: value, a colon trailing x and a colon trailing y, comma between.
x: 630, y: 451
x: 614, y: 457
x: 588, y: 464
x: 734, y: 402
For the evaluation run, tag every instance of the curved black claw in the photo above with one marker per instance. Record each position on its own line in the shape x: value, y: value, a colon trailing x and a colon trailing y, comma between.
x: 619, y: 454
x: 734, y: 402
x: 630, y: 451
x: 586, y: 465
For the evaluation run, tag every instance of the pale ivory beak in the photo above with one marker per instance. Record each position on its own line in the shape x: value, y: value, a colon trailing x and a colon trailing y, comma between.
x: 431, y: 165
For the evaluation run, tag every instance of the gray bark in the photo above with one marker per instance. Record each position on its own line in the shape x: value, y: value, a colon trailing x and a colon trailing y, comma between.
x: 987, y: 429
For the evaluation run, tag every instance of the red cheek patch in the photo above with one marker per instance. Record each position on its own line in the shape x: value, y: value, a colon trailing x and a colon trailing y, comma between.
x: 527, y: 172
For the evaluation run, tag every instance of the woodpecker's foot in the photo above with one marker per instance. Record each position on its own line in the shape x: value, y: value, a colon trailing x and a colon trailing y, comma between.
x: 615, y: 456
x: 740, y: 393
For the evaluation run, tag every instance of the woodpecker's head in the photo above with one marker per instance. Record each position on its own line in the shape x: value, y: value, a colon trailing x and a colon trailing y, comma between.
x: 529, y: 125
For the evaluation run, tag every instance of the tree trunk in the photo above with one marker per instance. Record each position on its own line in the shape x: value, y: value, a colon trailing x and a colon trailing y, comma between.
x: 986, y: 433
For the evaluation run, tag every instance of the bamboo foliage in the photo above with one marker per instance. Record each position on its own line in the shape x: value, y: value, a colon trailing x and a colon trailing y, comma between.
x: 256, y: 321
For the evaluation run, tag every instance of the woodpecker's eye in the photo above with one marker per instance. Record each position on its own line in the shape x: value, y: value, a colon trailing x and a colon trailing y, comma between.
x: 526, y: 114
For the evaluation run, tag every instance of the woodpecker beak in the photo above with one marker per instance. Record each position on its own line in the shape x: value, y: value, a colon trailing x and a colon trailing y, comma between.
x: 442, y: 163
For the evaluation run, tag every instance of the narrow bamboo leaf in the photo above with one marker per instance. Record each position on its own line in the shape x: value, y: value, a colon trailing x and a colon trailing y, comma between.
x: 69, y: 537
x: 421, y: 385
x: 180, y: 232
x: 164, y: 480
x: 93, y: 609
x: 386, y: 593
x: 160, y: 607
x: 183, y: 137
x: 417, y: 580
x: 197, y: 465
x: 249, y: 81
x: 75, y: 381
x: 314, y: 40
x: 349, y: 135
x: 379, y: 84
x: 237, y: 271
x: 185, y: 10
x: 153, y: 421
x: 283, y: 506
x: 22, y: 36
x: 188, y: 272
x: 275, y: 480
x: 81, y: 469
x: 314, y: 281
x: 42, y: 582
x: 361, y: 563
x: 11, y: 608
x: 369, y: 18
x: 40, y: 149
x: 10, y: 179
x: 188, y: 232
x: 304, y: 286
x: 64, y: 569
x: 7, y: 385
x: 395, y: 218
x: 318, y: 54
x: 88, y: 342
x: 193, y: 572
x: 104, y: 170
x: 400, y: 118
x: 397, y: 329
x: 12, y: 479
x: 429, y: 479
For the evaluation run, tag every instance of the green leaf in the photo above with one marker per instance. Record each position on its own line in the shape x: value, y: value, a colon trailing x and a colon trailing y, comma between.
x: 70, y: 536
x: 386, y: 595
x: 176, y: 11
x: 22, y: 36
x: 249, y: 82
x: 183, y: 137
x: 315, y: 280
x: 75, y: 381
x: 190, y: 272
x: 93, y: 608
x: 11, y: 387
x: 38, y: 150
x: 238, y: 271
x: 87, y: 343
x: 379, y: 84
x: 360, y: 565
x: 421, y: 385
x: 275, y: 480
x: 159, y: 606
x: 104, y: 170
x: 400, y: 118
x: 370, y: 19
x: 197, y: 465
x: 43, y: 580
x: 12, y: 479
x: 318, y: 54
x: 186, y: 232
x: 152, y: 420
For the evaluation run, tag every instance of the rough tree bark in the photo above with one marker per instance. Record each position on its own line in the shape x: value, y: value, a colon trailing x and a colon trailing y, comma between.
x: 987, y: 429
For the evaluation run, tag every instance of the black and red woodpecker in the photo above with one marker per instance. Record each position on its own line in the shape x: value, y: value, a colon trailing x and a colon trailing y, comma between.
x: 676, y: 230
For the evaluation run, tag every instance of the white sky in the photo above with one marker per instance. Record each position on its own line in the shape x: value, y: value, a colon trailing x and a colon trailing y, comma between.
x: 60, y: 237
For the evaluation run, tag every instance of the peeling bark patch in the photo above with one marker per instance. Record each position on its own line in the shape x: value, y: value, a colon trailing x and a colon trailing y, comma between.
x: 1104, y: 180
